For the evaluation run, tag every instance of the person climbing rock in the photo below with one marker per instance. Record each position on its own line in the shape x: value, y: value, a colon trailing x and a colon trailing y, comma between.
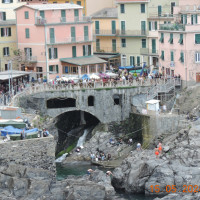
x: 160, y: 147
x: 139, y: 147
x: 108, y: 173
x: 157, y: 152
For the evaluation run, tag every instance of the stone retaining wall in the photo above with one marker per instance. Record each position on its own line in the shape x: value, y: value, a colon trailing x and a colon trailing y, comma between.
x: 34, y: 153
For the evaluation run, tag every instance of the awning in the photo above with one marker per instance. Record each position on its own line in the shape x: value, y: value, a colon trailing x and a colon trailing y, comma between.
x: 127, y: 67
x: 107, y: 56
x: 5, y: 75
x: 84, y: 60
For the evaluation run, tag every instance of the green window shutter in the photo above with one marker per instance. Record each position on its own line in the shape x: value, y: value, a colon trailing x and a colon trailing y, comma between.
x: 149, y: 26
x: 76, y: 14
x: 50, y: 68
x: 63, y: 16
x: 26, y: 15
x: 8, y: 51
x: 9, y: 31
x: 27, y: 32
x: 123, y: 27
x: 156, y: 25
x: 49, y: 53
x: 142, y: 8
x: 181, y: 19
x: 185, y: 19
x: 55, y: 53
x: 123, y: 41
x: 192, y: 22
x: 172, y: 56
x: 143, y: 43
x: 143, y: 27
x: 73, y: 51
x: 171, y: 38
x: 2, y: 32
x: 97, y: 44
x: 97, y: 27
x: 182, y: 57
x: 162, y: 55
x: 30, y: 49
x: 153, y: 46
x: 114, y: 48
x: 86, y: 33
x: 57, y: 69
x: 159, y: 11
x: 197, y: 38
x: 122, y: 8
x: 42, y: 14
x: 52, y: 36
x: 73, y: 34
x: 83, y: 50
x: 4, y: 16
x: 162, y: 38
x: 138, y: 60
x: 196, y: 18
x: 4, y: 51
x: 113, y: 27
x: 181, y: 39
x: 132, y: 61
x: 89, y: 50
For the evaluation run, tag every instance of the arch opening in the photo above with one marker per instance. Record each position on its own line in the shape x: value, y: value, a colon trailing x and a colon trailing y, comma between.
x: 61, y: 103
x: 117, y: 99
x: 91, y: 101
x: 70, y: 128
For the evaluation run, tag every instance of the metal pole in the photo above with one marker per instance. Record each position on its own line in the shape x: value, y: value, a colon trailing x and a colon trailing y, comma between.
x: 11, y: 78
x: 9, y: 75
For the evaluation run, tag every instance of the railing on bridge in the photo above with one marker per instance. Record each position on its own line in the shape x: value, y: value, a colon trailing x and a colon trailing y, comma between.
x: 160, y: 85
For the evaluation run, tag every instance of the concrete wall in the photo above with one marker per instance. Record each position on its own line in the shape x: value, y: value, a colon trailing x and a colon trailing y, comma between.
x: 34, y: 153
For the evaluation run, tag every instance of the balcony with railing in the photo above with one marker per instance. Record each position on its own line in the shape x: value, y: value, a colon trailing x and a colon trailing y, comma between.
x: 156, y: 15
x: 107, y: 50
x: 147, y: 51
x: 62, y: 20
x: 30, y: 59
x: 172, y: 27
x: 133, y: 33
x: 106, y: 32
x: 70, y: 40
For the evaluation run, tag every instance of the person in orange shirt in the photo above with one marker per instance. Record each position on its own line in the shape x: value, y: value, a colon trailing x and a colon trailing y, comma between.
x: 160, y: 147
x: 157, y: 152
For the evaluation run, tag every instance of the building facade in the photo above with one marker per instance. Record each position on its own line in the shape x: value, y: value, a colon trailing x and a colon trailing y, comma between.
x: 139, y: 21
x: 179, y: 46
x: 56, y: 40
x: 106, y: 29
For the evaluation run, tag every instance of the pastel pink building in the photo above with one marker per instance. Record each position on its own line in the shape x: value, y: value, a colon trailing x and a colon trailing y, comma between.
x: 56, y: 40
x: 179, y: 46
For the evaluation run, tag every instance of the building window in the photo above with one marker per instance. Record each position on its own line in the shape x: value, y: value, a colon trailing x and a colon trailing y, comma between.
x: 123, y: 27
x: 172, y: 56
x: 6, y: 51
x: 142, y: 8
x: 172, y: 7
x: 162, y: 38
x: 7, y: 1
x: 27, y: 33
x: 63, y: 16
x: 197, y: 38
x: 182, y: 57
x: 123, y: 42
x: 73, y: 51
x: 162, y: 55
x: 122, y: 8
x: 194, y: 19
x: 181, y: 39
x: 171, y: 38
x: 86, y: 50
x: 73, y: 34
x: 114, y: 45
x: 42, y: 14
x: 54, y: 69
x: 138, y: 60
x: 159, y: 11
x: 78, y: 3
x: 132, y: 61
x: 97, y: 45
x: 26, y: 14
x: 2, y: 16
x: 153, y: 25
x: 144, y: 43
x: 5, y: 32
x: 197, y: 57
x: 184, y: 19
x: 53, y: 53
x: 97, y: 27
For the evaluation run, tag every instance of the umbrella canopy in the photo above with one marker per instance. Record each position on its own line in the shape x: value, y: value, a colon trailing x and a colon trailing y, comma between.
x: 103, y: 75
x: 85, y: 76
x: 94, y: 76
x: 111, y: 74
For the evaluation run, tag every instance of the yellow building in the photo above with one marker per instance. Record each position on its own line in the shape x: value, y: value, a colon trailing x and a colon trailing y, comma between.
x: 8, y: 44
x: 106, y: 28
x: 79, y: 2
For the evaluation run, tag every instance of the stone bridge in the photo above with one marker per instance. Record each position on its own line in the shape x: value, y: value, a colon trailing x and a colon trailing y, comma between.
x: 106, y: 102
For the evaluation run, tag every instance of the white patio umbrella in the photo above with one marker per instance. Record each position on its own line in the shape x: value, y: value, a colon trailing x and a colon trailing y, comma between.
x: 94, y: 76
x: 112, y: 75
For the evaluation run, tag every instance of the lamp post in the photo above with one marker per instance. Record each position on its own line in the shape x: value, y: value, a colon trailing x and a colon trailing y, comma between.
x: 10, y: 77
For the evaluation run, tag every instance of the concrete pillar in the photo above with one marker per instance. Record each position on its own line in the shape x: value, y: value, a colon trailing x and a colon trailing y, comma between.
x: 150, y: 60
x: 96, y: 66
x: 88, y: 69
x: 82, y: 118
x: 104, y: 67
x: 79, y: 71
